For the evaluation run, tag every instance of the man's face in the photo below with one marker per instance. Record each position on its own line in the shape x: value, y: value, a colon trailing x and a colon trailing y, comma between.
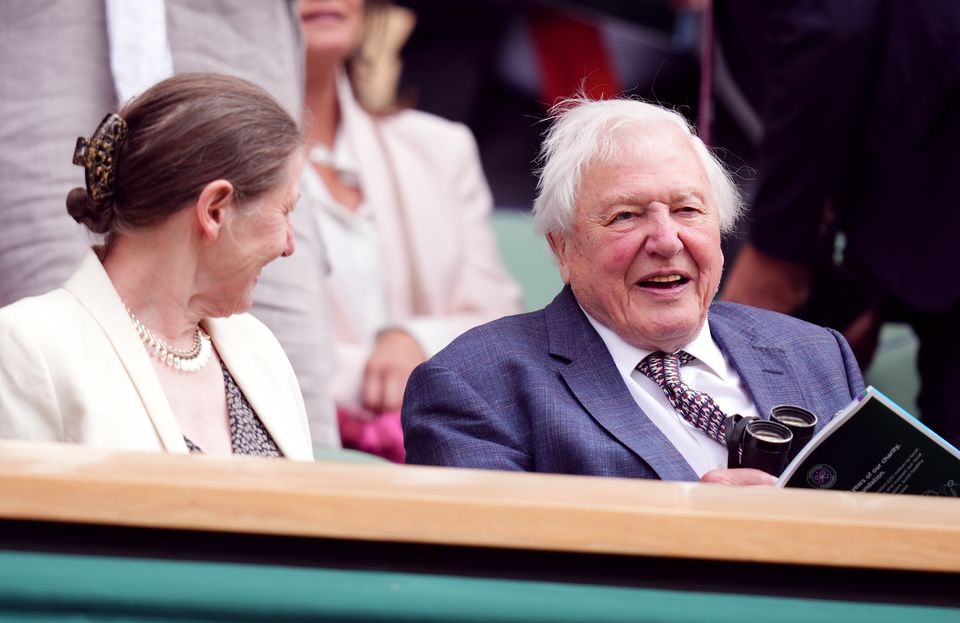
x: 642, y: 253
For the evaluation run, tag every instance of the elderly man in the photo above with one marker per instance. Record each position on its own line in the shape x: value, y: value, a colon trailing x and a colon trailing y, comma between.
x: 632, y: 369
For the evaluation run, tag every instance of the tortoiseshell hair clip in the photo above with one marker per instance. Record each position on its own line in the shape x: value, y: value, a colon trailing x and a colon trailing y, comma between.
x: 98, y: 156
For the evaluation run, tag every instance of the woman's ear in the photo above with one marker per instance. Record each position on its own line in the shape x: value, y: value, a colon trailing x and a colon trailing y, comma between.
x: 213, y: 207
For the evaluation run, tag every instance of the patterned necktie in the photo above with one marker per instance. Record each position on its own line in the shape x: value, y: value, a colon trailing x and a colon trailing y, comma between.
x: 695, y: 407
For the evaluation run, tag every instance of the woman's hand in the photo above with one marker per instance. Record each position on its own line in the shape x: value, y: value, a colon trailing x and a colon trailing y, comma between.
x: 394, y: 357
x: 739, y: 477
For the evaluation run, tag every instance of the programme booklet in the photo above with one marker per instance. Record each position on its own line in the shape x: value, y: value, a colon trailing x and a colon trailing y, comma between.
x: 874, y: 445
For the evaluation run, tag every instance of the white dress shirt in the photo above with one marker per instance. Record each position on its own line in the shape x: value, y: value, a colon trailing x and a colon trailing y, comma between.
x: 352, y: 241
x: 710, y: 373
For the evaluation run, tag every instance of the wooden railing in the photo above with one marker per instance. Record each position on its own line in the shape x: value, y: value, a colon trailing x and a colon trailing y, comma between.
x: 405, y: 504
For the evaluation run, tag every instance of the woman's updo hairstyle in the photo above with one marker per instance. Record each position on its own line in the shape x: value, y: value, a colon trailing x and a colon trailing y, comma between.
x: 155, y: 157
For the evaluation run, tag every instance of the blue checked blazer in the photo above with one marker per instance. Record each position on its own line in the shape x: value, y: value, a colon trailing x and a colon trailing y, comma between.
x: 540, y: 392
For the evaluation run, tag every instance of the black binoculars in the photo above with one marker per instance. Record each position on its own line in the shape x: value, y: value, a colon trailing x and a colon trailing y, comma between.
x: 768, y: 445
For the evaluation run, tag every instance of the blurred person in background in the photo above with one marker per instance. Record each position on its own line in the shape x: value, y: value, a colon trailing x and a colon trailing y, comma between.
x: 860, y: 108
x: 147, y: 346
x: 394, y: 227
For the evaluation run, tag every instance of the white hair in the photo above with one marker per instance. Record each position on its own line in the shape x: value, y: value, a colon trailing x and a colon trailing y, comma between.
x: 586, y: 131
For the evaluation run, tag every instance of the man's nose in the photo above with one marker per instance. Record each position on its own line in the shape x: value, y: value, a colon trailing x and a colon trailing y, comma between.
x: 663, y: 238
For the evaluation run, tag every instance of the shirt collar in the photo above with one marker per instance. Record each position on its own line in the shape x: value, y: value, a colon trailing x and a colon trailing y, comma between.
x: 315, y: 190
x: 339, y: 157
x: 627, y: 356
x: 343, y: 157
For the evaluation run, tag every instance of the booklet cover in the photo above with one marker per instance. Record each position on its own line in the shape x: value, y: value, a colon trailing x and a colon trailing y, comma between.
x: 874, y: 445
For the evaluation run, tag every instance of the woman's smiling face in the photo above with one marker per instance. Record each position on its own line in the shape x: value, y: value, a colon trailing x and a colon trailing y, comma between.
x: 259, y: 233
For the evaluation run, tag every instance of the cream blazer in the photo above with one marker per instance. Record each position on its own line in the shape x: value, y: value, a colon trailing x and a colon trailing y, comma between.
x: 72, y: 369
x: 421, y: 175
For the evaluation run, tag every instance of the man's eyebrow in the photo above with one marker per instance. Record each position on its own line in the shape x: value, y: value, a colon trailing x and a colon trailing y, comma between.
x: 634, y: 198
x: 687, y: 195
x: 620, y: 198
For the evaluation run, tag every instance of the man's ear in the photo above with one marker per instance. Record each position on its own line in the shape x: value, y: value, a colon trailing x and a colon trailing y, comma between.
x: 558, y: 244
x: 213, y: 207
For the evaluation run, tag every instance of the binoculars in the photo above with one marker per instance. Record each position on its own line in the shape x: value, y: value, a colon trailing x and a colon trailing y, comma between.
x: 768, y: 445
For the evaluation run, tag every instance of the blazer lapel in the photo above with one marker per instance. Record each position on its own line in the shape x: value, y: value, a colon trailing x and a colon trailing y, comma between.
x: 594, y: 379
x: 93, y: 289
x: 763, y: 367
x: 272, y: 408
x: 378, y: 190
x: 311, y: 261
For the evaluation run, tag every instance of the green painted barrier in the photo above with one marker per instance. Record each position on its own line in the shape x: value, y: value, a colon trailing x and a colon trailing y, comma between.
x: 894, y: 367
x: 58, y: 587
x: 527, y: 257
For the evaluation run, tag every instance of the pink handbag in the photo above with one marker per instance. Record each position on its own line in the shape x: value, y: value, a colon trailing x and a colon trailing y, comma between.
x: 381, y: 436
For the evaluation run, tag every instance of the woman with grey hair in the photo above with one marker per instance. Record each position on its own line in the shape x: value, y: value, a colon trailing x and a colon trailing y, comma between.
x: 147, y: 346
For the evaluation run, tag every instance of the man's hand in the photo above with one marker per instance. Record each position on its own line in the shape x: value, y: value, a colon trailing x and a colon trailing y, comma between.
x: 765, y: 281
x: 394, y: 357
x: 739, y: 477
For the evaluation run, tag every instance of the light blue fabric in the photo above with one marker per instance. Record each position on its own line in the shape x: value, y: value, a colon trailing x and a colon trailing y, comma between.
x: 540, y: 392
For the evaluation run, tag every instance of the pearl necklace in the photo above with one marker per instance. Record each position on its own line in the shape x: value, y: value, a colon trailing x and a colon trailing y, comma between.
x: 189, y: 360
